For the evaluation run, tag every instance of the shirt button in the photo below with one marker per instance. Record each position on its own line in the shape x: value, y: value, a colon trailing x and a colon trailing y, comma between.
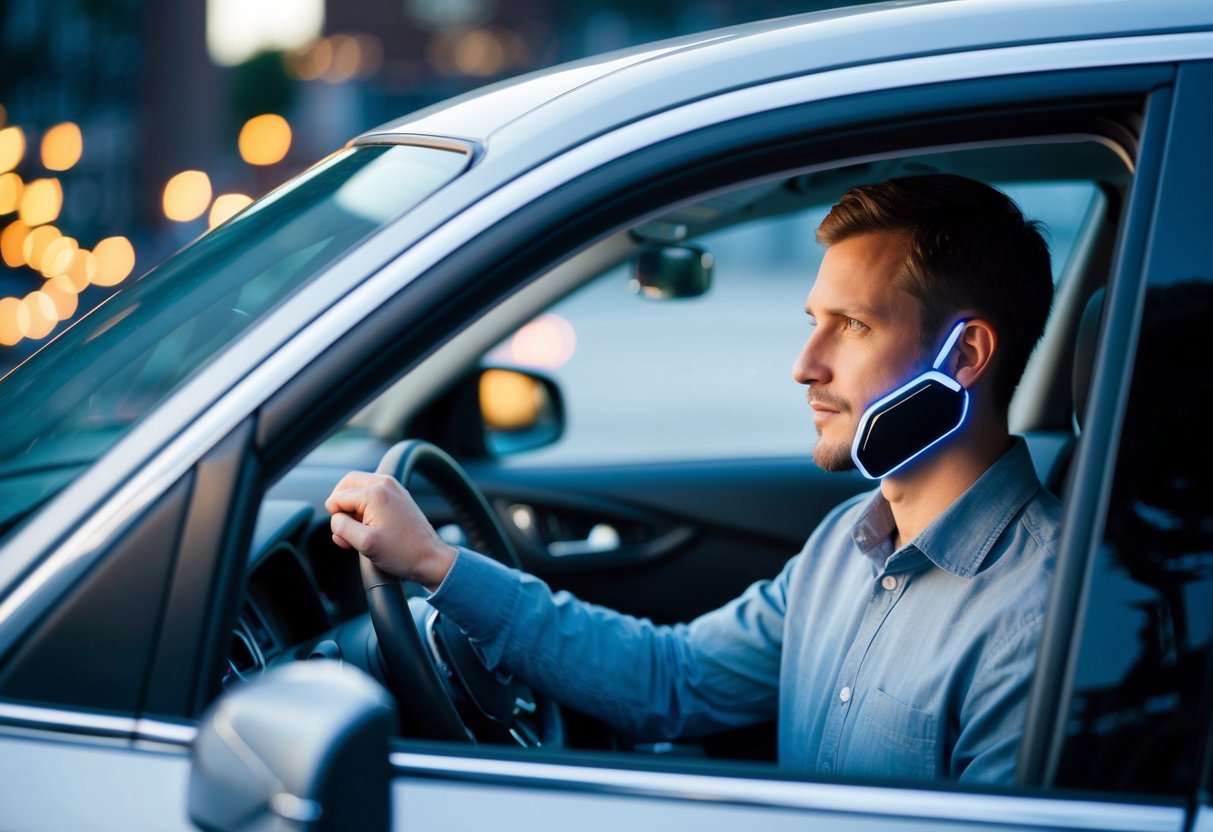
x: 889, y: 582
x: 845, y: 694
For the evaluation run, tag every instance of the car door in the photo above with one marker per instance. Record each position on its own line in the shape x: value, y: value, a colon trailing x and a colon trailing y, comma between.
x: 456, y: 784
x: 1118, y: 736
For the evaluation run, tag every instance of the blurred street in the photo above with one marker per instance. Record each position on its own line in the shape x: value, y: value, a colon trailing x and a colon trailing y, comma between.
x: 130, y: 127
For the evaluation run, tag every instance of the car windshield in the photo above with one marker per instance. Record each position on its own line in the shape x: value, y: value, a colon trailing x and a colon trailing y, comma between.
x: 77, y: 396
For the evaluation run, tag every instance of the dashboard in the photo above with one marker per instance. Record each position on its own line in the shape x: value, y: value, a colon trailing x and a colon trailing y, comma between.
x: 299, y: 593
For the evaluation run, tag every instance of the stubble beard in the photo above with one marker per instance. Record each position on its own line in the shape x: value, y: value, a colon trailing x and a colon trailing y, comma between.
x: 832, y: 457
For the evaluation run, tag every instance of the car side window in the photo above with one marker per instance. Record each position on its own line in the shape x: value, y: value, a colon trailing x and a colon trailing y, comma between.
x: 1135, y: 720
x: 709, y: 377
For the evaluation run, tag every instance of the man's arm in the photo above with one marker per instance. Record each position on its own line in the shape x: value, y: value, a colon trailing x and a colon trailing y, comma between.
x: 995, y: 710
x: 657, y: 682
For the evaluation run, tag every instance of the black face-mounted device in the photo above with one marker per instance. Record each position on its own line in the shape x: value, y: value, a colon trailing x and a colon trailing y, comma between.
x: 899, y: 427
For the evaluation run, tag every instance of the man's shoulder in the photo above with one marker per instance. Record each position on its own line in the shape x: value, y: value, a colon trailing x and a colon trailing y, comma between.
x: 1041, y: 518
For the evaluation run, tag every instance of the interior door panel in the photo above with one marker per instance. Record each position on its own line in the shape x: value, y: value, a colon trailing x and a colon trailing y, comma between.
x: 692, y: 535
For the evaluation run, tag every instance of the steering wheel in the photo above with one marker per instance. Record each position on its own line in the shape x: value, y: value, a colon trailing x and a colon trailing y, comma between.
x: 444, y: 689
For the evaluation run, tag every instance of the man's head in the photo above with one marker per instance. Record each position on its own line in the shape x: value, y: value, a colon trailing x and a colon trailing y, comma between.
x: 914, y: 255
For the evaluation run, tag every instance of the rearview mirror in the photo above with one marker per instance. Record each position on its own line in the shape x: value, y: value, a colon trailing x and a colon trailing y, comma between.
x: 304, y: 747
x: 665, y: 272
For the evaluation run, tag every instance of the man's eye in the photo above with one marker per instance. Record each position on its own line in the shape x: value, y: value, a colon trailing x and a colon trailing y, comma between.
x: 854, y: 325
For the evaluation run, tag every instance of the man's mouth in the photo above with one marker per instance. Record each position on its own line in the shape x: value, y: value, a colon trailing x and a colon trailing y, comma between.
x: 825, y: 408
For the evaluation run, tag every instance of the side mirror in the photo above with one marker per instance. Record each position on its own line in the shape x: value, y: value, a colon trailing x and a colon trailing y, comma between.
x: 520, y: 410
x: 665, y: 272
x: 304, y: 747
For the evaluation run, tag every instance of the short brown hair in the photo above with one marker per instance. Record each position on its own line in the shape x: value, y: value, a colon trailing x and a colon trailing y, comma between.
x: 966, y: 246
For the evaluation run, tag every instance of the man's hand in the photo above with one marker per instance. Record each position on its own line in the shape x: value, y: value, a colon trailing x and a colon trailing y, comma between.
x: 375, y: 515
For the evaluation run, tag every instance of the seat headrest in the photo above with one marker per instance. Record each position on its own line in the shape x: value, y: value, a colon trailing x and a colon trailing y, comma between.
x: 1084, y: 352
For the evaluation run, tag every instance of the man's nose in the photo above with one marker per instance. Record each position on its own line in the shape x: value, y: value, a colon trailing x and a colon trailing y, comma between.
x: 807, y: 369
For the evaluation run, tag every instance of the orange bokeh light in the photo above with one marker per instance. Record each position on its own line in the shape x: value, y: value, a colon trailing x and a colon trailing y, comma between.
x: 187, y: 195
x: 62, y: 146
x: 265, y: 139
x: 57, y: 256
x: 41, y: 201
x: 14, y: 321
x: 12, y: 244
x: 12, y: 147
x: 11, y: 187
x: 225, y: 207
x: 115, y: 260
x: 36, y: 242
x: 42, y: 314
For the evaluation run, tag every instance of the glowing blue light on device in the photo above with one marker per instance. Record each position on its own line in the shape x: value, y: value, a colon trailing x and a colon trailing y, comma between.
x: 871, y: 416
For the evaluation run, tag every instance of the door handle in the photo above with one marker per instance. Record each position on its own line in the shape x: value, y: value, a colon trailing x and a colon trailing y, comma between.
x: 602, y: 539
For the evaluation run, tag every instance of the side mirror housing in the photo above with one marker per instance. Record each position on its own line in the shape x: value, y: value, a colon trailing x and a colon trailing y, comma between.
x: 666, y: 272
x: 520, y: 410
x: 305, y: 747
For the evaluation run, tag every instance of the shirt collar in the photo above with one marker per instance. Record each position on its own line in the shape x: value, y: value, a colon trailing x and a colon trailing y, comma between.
x: 990, y: 504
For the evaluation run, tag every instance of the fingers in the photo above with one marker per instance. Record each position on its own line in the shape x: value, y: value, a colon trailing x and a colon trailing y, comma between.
x: 354, y: 491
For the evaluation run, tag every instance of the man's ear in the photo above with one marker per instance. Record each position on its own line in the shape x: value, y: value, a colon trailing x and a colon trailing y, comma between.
x: 974, y: 353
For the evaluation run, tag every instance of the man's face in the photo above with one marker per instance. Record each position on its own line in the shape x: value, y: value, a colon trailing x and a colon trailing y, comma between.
x: 864, y: 341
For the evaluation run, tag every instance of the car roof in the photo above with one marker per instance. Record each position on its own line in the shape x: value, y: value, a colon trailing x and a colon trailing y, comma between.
x: 585, y: 97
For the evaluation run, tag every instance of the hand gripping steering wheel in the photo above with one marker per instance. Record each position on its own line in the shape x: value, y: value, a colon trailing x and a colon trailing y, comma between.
x: 443, y: 687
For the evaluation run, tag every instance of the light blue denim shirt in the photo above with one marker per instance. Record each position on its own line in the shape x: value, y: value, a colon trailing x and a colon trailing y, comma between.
x: 912, y: 664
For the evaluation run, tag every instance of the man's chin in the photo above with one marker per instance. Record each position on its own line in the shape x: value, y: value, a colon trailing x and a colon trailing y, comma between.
x: 834, y: 458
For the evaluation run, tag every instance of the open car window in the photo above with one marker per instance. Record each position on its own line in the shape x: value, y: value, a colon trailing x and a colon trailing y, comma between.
x: 708, y: 377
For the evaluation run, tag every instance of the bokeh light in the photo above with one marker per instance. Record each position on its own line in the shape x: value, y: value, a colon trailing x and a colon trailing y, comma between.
x: 225, y: 207
x: 186, y: 196
x: 264, y: 139
x: 337, y: 58
x: 12, y: 147
x: 11, y: 187
x: 115, y: 258
x: 509, y: 400
x: 83, y: 269
x: 42, y: 315
x: 477, y: 52
x: 57, y: 256
x: 12, y: 244
x: 41, y: 202
x: 548, y: 341
x: 36, y: 242
x: 63, y: 294
x: 62, y: 146
x: 14, y: 321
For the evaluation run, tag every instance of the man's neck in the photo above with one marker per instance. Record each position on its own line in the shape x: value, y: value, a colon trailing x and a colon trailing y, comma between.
x: 921, y: 492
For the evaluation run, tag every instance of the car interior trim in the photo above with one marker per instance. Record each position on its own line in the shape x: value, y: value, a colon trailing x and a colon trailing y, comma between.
x: 199, y: 432
x: 1031, y: 812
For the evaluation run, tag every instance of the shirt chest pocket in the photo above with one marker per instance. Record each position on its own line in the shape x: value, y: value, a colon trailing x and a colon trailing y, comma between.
x: 891, y: 739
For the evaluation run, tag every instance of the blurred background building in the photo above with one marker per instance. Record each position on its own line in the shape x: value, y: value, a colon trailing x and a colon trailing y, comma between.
x: 130, y: 127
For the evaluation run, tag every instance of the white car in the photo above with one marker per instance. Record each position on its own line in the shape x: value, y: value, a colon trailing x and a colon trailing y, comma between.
x: 181, y: 643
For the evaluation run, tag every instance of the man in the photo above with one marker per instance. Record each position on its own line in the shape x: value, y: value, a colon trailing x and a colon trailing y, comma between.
x: 901, y: 640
